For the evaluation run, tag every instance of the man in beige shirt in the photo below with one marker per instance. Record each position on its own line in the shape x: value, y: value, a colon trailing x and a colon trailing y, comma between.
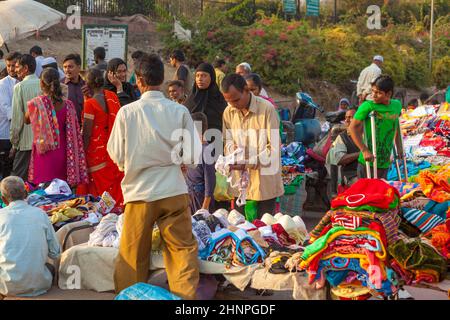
x: 252, y: 123
x: 146, y: 141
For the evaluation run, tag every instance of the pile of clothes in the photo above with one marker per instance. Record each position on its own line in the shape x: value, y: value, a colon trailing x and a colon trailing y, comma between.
x: 62, y: 206
x: 229, y: 239
x: 292, y: 161
x: 349, y: 247
x: 424, y: 254
x: 426, y: 130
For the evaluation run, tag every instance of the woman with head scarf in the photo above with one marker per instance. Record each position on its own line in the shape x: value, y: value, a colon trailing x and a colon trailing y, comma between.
x: 206, y: 96
x: 57, y: 143
x: 116, y: 81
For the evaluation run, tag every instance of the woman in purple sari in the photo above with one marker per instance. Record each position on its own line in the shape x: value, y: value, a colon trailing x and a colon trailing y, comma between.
x: 57, y: 143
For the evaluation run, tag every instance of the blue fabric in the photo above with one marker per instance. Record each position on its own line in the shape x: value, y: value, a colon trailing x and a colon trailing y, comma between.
x: 145, y: 291
x: 336, y: 277
x: 413, y: 169
x: 439, y: 209
x: 293, y: 154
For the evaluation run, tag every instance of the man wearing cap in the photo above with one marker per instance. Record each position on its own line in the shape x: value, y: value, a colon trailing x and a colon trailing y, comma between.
x: 370, y: 73
x: 50, y: 62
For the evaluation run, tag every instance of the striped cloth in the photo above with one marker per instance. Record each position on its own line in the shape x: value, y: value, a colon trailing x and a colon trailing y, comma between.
x: 421, y: 219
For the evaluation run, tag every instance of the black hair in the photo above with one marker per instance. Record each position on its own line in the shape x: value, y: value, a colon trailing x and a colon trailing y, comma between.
x: 175, y: 83
x: 413, y: 103
x: 219, y: 63
x: 94, y: 78
x: 29, y: 61
x: 50, y: 79
x: 37, y: 50
x: 200, y: 116
x: 151, y: 69
x: 114, y: 63
x: 384, y: 83
x: 100, y: 53
x: 235, y: 80
x: 424, y: 96
x: 13, y: 56
x: 1, y: 54
x: 255, y: 78
x: 137, y: 54
x: 75, y: 57
x: 178, y: 55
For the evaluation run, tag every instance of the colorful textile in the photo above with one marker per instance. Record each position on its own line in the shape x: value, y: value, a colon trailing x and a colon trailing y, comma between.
x: 436, y: 186
x: 372, y: 192
x: 44, y: 124
x: 440, y: 239
x: 437, y: 208
x: 414, y: 254
x: 317, y: 247
x: 421, y: 219
x: 402, y: 187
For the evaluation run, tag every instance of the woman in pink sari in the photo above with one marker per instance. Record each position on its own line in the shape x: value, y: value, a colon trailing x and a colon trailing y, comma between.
x: 57, y: 143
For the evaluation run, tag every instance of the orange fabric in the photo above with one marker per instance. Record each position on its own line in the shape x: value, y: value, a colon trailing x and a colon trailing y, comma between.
x: 436, y: 186
x: 103, y: 173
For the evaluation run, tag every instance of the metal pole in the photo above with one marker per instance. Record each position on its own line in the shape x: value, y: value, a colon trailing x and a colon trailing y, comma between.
x: 431, y: 34
x: 335, y: 11
x: 374, y: 144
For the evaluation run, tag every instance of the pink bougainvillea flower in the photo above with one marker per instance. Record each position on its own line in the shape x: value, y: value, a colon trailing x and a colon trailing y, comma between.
x: 210, y: 35
x: 251, y: 32
x: 260, y: 32
x: 283, y: 37
x: 266, y: 22
x: 267, y: 57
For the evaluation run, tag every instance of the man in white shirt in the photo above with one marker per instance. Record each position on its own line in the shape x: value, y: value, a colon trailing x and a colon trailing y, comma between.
x: 6, y: 94
x: 36, y: 52
x: 142, y: 145
x: 27, y: 239
x: 367, y: 76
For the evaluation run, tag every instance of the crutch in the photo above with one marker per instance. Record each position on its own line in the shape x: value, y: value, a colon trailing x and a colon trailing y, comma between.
x: 374, y: 148
x: 396, y: 155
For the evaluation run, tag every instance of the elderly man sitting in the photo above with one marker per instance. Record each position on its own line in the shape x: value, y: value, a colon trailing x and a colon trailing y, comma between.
x: 27, y: 238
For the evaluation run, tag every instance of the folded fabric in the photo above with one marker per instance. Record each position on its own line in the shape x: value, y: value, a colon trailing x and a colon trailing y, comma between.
x: 414, y: 254
x: 371, y: 192
x: 202, y: 233
x: 436, y: 186
x: 402, y: 187
x: 318, y: 246
x: 437, y: 208
x: 283, y: 236
x: 412, y: 167
x: 423, y: 220
x: 440, y: 239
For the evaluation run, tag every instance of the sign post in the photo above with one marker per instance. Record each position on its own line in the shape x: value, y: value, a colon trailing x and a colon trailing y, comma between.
x: 312, y: 8
x: 114, y: 38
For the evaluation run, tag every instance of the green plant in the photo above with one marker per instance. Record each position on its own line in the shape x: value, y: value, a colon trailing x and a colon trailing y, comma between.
x: 441, y: 74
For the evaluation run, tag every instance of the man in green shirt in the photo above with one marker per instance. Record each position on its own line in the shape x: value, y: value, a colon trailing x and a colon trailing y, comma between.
x: 387, y: 113
x: 21, y: 134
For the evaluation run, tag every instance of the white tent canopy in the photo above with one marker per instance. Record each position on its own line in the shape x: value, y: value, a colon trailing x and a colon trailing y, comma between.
x: 20, y: 19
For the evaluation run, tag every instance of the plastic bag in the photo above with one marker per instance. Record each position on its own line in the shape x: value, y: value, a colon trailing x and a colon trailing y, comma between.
x: 222, y: 190
x: 145, y: 291
x: 251, y: 210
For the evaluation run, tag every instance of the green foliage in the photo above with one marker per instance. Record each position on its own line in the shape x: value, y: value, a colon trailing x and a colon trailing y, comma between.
x: 441, y: 74
x: 286, y: 53
x: 242, y: 14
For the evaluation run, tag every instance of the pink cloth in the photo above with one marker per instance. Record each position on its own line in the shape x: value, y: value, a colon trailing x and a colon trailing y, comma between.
x: 53, y: 163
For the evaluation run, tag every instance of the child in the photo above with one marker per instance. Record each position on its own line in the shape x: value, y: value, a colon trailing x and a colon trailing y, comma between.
x: 388, y: 112
x: 201, y: 181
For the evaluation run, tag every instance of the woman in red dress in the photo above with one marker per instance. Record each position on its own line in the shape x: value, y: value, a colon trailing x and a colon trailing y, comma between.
x: 98, y: 119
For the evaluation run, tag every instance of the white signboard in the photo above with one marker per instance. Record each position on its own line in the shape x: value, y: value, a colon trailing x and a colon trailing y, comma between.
x: 114, y: 38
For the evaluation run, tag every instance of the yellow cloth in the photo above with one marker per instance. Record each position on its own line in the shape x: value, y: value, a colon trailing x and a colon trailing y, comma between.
x: 350, y: 291
x: 65, y: 215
